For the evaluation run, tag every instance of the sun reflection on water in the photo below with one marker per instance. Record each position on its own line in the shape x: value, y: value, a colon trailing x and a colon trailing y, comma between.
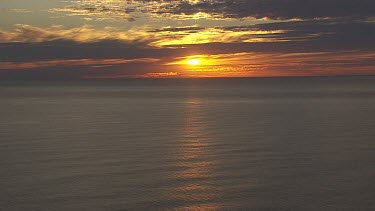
x: 195, y: 189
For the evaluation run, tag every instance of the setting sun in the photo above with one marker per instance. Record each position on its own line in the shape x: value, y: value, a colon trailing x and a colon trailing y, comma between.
x: 193, y: 62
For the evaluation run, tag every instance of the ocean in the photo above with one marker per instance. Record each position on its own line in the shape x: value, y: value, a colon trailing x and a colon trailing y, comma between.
x: 262, y: 144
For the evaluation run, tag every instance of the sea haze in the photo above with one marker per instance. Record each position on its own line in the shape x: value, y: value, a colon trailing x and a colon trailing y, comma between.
x: 304, y: 143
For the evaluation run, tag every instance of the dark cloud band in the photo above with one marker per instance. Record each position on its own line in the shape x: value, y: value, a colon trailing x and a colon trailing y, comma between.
x: 272, y: 9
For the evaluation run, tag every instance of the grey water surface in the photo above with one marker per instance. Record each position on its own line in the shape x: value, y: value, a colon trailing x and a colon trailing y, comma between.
x: 305, y: 143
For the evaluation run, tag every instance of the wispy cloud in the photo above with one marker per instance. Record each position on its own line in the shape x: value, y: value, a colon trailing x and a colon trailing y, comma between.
x: 281, y: 9
x: 212, y: 65
x: 160, y: 37
x: 96, y: 10
x: 86, y: 33
x: 93, y: 63
x: 273, y: 64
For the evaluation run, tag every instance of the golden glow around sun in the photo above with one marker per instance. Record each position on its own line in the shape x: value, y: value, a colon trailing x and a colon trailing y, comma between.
x: 193, y: 62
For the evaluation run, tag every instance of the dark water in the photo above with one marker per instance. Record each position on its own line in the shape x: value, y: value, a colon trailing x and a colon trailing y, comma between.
x: 209, y: 144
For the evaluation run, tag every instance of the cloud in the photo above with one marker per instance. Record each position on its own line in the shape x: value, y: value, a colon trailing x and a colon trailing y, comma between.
x: 211, y: 9
x: 86, y: 33
x: 95, y: 12
x: 272, y: 9
x: 323, y: 46
x: 70, y: 50
x: 166, y: 36
x: 279, y: 64
x: 29, y: 43
x: 297, y: 36
x: 220, y: 35
x: 188, y: 29
x: 213, y: 65
x: 93, y: 63
x: 159, y: 75
x: 15, y: 10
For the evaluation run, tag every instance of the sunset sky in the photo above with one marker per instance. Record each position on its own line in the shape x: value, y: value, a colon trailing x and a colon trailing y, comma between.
x: 63, y: 39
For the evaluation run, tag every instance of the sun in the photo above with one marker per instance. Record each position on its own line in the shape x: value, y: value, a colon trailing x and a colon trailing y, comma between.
x: 193, y: 62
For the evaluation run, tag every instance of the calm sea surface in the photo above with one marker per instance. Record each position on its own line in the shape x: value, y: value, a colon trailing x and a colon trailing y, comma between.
x: 188, y: 144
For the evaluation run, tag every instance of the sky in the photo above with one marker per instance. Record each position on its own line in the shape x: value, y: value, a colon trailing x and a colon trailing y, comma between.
x: 90, y: 39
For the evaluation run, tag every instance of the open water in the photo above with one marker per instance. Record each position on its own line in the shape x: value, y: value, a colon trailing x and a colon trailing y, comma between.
x: 305, y: 143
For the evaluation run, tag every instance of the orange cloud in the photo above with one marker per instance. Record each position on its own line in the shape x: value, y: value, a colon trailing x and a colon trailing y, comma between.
x: 156, y: 38
x: 94, y: 63
x: 277, y: 64
x: 27, y: 33
x: 158, y: 75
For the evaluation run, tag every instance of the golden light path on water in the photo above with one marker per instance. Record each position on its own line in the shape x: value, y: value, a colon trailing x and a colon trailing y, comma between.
x: 196, y: 188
